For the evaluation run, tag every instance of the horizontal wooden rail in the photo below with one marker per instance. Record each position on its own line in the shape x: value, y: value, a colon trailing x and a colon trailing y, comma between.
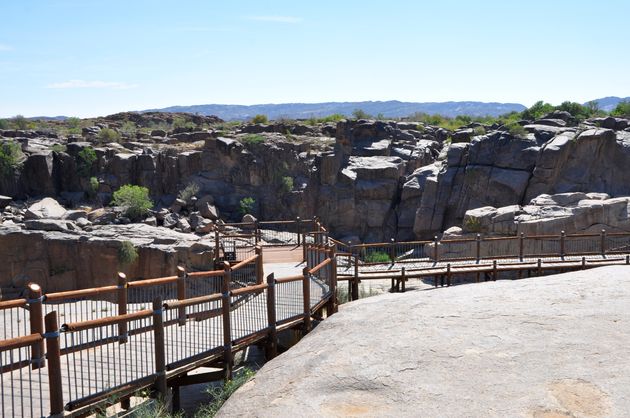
x: 289, y: 279
x: 245, y: 262
x: 101, y: 322
x: 202, y: 274
x: 152, y: 282
x: 94, y: 291
x: 19, y: 342
x: 249, y: 289
x: 14, y: 303
x: 193, y: 301
x: 320, y: 266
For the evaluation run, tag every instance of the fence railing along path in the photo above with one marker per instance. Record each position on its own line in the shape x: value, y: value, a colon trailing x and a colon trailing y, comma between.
x: 443, y: 260
x: 73, y: 352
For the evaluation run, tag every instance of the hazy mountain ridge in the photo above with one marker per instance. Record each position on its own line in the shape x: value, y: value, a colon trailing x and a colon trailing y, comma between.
x: 392, y: 108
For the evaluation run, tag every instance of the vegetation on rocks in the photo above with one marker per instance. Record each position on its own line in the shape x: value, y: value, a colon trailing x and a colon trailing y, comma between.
x: 108, y: 135
x: 253, y: 139
x: 622, y: 109
x: 187, y: 193
x: 134, y: 199
x: 85, y: 161
x: 222, y: 393
x: 287, y: 184
x: 260, y: 119
x: 10, y: 157
x: 127, y: 253
x: 377, y: 257
x: 246, y: 205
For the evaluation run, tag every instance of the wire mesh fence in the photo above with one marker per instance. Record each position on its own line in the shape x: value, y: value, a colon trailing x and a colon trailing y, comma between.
x: 23, y: 385
x: 249, y: 315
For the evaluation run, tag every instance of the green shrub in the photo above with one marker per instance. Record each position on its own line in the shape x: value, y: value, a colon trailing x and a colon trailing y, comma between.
x: 253, y: 139
x: 537, y: 110
x: 93, y: 188
x: 472, y: 224
x: 246, y: 205
x: 128, y: 129
x: 188, y: 192
x: 516, y: 130
x: 479, y: 130
x: 20, y: 122
x: 4, y: 124
x: 360, y: 114
x: 85, y: 161
x: 127, y: 253
x: 59, y: 148
x: 10, y: 157
x: 222, y: 393
x: 134, y: 199
x: 344, y: 297
x: 260, y: 119
x: 622, y: 109
x: 377, y: 257
x: 287, y: 184
x: 108, y: 135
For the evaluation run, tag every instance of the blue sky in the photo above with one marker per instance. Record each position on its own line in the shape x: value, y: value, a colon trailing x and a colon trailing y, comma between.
x: 87, y: 58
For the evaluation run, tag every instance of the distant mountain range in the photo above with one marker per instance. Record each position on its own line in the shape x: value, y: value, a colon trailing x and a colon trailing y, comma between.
x: 392, y: 108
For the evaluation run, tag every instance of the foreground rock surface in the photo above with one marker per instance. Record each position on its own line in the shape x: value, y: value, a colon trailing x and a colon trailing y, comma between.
x: 556, y: 346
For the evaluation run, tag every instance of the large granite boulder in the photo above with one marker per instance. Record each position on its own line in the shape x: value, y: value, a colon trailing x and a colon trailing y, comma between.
x: 526, y: 348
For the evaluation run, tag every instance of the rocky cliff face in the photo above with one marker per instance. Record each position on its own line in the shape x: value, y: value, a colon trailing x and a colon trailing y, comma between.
x: 374, y: 181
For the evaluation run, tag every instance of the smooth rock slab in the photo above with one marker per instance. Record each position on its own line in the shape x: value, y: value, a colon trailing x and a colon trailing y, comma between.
x: 554, y: 346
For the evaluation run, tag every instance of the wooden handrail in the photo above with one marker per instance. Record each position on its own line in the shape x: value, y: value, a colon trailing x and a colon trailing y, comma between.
x: 52, y: 297
x: 320, y: 266
x: 209, y: 273
x: 249, y: 289
x: 152, y: 282
x: 19, y: 342
x: 101, y: 322
x: 193, y: 301
x: 245, y: 262
x: 289, y: 279
x: 15, y: 303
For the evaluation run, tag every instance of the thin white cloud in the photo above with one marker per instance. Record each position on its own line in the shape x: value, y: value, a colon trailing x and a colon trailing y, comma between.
x: 276, y: 19
x: 5, y: 47
x: 95, y: 84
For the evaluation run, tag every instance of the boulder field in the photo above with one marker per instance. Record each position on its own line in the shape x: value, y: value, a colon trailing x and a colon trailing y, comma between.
x: 373, y: 180
x: 554, y: 346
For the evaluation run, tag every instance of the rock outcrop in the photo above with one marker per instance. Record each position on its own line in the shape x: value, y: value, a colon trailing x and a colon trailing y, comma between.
x: 530, y: 348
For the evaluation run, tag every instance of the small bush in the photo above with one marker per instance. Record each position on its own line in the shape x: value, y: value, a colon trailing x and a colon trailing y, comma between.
x: 10, y: 157
x: 377, y: 257
x: 59, y: 148
x: 108, y: 135
x: 253, y: 139
x: 287, y: 184
x: 472, y: 224
x: 93, y: 188
x: 134, y: 199
x: 361, y: 114
x: 517, y: 130
x: 344, y: 297
x: 20, y: 122
x: 479, y: 130
x: 188, y: 192
x: 221, y: 394
x: 4, y: 124
x: 85, y: 161
x: 622, y: 109
x: 127, y: 253
x: 128, y: 129
x: 260, y: 119
x: 246, y: 205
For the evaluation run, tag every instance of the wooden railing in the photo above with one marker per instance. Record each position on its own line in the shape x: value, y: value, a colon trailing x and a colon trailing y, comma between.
x: 116, y: 340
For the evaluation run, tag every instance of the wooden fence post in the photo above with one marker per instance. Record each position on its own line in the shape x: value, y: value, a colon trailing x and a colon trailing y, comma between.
x: 272, y: 345
x: 299, y: 230
x: 53, y: 353
x: 478, y: 247
x: 494, y: 270
x: 392, y: 250
x: 355, y: 279
x: 306, y: 294
x: 562, y: 244
x: 35, y: 300
x: 404, y: 280
x: 521, y: 239
x: 448, y: 275
x: 539, y: 267
x: 181, y: 294
x: 260, y: 273
x: 160, y: 349
x: 583, y: 263
x: 256, y: 232
x: 603, y: 242
x: 227, y: 327
x: 332, y: 306
x: 123, y: 298
x: 216, y: 245
x: 436, y: 254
